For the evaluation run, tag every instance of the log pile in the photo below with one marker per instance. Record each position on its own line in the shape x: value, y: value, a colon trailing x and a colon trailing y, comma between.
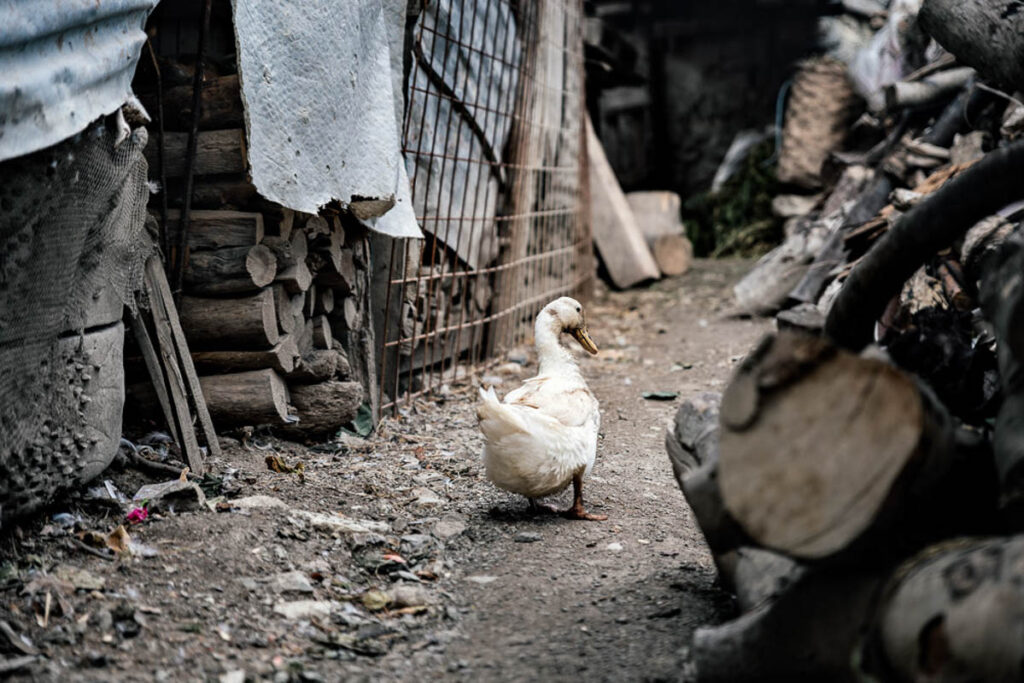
x: 270, y: 298
x: 860, y: 482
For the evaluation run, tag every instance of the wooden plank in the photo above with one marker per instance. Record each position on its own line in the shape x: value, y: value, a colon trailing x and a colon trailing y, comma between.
x: 618, y: 238
x: 168, y: 357
x: 202, y: 413
x: 156, y: 373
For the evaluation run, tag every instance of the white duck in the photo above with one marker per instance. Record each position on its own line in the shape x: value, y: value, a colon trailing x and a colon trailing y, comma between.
x: 544, y: 434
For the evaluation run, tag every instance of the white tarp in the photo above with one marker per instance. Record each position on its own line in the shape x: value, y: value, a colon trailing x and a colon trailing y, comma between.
x: 63, y: 65
x: 320, y: 106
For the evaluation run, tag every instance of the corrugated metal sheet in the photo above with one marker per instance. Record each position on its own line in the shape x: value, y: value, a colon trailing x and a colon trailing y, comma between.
x: 64, y: 63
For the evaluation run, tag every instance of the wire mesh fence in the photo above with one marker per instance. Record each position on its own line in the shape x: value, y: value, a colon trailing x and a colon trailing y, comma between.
x: 494, y: 141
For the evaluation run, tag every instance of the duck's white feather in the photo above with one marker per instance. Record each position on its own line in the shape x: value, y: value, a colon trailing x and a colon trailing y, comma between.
x: 545, y: 431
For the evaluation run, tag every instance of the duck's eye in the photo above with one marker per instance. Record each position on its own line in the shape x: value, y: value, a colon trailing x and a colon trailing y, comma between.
x: 579, y: 309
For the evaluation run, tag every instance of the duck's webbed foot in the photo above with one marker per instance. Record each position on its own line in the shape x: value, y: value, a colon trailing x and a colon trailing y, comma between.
x: 577, y: 510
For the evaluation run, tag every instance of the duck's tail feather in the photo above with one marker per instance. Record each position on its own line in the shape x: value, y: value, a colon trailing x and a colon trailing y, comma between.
x: 496, y: 418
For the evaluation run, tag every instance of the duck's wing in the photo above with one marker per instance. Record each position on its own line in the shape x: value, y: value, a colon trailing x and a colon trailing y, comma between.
x: 570, y: 403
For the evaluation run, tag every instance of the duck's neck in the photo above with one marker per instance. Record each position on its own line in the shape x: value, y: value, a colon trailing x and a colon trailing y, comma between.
x: 554, y: 358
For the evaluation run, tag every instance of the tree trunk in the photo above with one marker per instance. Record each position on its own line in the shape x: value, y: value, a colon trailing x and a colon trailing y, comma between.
x: 341, y: 274
x: 230, y: 271
x: 220, y: 104
x: 952, y: 613
x: 323, y: 408
x: 928, y: 91
x: 318, y: 365
x: 283, y: 308
x: 219, y: 229
x: 985, y: 34
x: 283, y: 357
x: 249, y: 322
x: 888, y: 446
x: 809, y: 633
x: 246, y: 398
x: 218, y: 152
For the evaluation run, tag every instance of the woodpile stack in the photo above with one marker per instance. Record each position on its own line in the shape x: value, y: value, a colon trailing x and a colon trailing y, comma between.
x: 272, y: 301
x: 860, y: 482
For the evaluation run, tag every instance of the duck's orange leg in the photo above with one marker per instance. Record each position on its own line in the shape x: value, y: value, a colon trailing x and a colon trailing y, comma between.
x: 577, y: 511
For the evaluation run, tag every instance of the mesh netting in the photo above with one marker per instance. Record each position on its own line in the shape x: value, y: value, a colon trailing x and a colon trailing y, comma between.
x: 71, y: 254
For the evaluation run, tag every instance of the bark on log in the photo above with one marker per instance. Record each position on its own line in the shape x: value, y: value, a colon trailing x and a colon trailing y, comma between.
x: 249, y: 322
x: 233, y: 270
x: 219, y: 193
x: 985, y: 34
x: 282, y: 357
x: 323, y: 408
x: 317, y: 365
x: 1002, y: 299
x: 888, y: 445
x: 283, y: 309
x: 219, y: 229
x: 692, y: 445
x: 943, y: 216
x: 927, y: 91
x: 341, y: 275
x: 217, y: 152
x: 809, y: 633
x: 220, y: 104
x: 246, y: 398
x: 291, y: 253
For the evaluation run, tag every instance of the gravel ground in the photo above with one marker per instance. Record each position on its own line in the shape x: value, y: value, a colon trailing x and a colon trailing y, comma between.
x: 392, y: 558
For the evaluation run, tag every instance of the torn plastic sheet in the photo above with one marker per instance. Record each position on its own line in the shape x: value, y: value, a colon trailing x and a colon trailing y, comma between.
x: 319, y: 101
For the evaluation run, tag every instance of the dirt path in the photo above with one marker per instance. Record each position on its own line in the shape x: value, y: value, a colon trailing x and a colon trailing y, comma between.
x: 617, y: 600
x: 292, y: 592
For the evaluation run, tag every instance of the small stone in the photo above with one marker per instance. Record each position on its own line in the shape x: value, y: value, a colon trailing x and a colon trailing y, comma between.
x: 527, y: 537
x: 491, y: 381
x: 482, y: 579
x: 290, y: 582
x: 236, y: 676
x: 615, y: 547
x: 426, y: 499
x: 249, y: 502
x: 415, y: 547
x: 304, y: 609
x: 449, y: 527
x: 408, y: 595
x: 79, y: 578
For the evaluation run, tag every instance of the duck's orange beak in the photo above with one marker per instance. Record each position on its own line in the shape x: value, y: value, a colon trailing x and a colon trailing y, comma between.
x: 583, y: 337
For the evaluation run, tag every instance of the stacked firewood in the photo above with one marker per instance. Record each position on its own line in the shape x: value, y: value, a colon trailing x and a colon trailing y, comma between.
x: 272, y: 300
x: 860, y: 482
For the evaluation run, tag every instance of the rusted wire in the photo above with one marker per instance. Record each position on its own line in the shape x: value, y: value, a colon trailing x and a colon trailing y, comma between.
x: 190, y: 153
x: 521, y: 198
